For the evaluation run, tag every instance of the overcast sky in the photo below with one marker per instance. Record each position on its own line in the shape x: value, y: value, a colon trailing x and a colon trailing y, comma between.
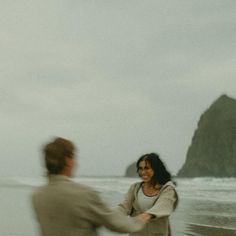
x: 118, y: 78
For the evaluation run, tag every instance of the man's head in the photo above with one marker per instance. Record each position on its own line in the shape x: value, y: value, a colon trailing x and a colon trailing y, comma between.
x: 59, y: 156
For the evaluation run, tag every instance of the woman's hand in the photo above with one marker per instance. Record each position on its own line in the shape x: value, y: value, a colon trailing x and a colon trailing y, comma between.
x: 144, y: 217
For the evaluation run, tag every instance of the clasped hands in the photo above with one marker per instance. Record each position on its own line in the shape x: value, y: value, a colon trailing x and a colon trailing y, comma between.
x: 144, y: 217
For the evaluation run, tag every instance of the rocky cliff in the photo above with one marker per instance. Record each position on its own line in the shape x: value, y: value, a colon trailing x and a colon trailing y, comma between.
x: 213, y: 148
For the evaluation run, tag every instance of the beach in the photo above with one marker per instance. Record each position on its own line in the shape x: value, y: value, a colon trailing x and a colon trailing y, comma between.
x: 207, y: 206
x: 206, y: 230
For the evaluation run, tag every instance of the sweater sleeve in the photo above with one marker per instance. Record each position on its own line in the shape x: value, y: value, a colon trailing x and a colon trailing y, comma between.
x: 99, y: 214
x: 165, y: 204
x: 126, y: 205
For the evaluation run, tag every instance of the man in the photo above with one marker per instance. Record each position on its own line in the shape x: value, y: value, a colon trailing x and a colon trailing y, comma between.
x: 66, y: 208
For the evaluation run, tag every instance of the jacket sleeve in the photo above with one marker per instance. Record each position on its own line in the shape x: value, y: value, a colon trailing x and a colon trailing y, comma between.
x: 126, y: 205
x: 165, y: 204
x: 99, y: 214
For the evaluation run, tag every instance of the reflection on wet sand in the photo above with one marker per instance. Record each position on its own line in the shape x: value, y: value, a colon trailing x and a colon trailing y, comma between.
x: 202, y: 230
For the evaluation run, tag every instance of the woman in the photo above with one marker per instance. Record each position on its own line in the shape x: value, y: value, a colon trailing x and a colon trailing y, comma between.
x: 155, y: 195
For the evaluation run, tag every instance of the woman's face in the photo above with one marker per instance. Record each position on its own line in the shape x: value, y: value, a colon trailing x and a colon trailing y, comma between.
x: 145, y: 171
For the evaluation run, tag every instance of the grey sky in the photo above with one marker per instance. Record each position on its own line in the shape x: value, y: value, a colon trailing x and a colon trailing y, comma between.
x: 119, y: 78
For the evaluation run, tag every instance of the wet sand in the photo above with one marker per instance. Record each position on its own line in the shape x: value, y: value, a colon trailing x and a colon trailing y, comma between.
x: 201, y: 230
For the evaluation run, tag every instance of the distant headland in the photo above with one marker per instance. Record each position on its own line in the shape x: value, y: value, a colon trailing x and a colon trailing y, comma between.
x: 131, y: 170
x: 212, y: 152
x: 213, y: 148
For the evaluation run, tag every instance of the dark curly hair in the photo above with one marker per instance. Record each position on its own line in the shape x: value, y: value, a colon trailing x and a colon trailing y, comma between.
x: 161, y: 175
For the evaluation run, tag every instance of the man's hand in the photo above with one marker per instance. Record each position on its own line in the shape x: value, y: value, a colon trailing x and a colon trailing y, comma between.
x: 144, y: 217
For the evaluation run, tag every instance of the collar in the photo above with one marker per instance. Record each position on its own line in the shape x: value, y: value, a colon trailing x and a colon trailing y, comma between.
x: 58, y: 178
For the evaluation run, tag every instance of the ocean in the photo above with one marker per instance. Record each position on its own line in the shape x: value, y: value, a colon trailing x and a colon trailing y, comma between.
x: 207, y: 206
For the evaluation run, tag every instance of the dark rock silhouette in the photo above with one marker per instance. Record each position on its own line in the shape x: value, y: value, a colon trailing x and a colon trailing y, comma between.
x: 213, y: 148
x: 131, y: 170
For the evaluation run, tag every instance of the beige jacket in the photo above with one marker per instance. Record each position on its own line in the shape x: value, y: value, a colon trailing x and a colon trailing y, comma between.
x: 65, y: 208
x: 164, y: 205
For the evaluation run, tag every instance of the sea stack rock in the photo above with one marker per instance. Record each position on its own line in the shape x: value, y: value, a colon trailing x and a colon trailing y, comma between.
x: 213, y: 148
x: 131, y: 170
